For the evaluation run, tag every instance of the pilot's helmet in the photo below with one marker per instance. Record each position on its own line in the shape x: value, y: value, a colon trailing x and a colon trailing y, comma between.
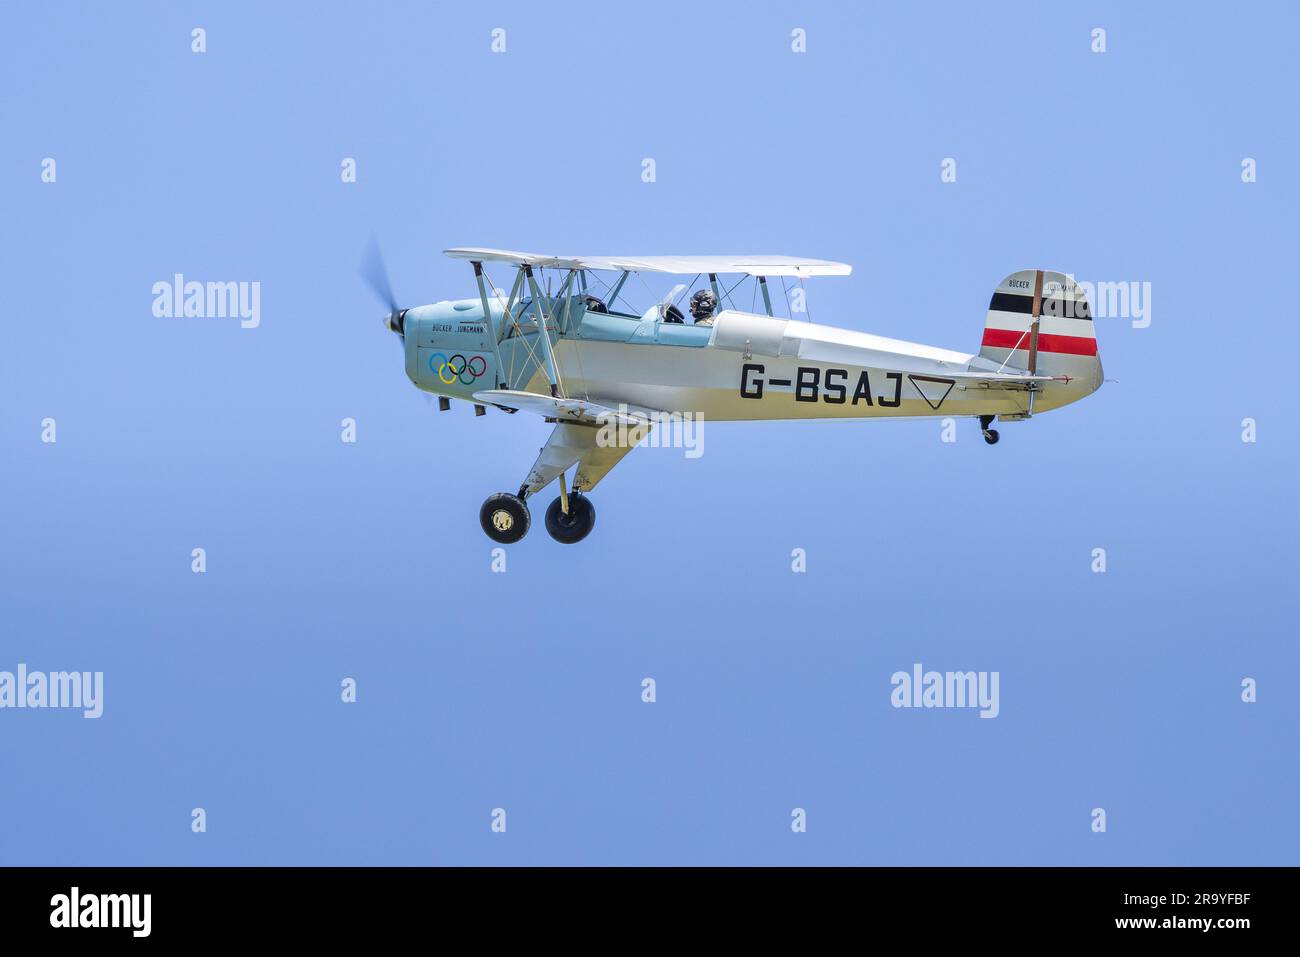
x: 703, y: 303
x: 594, y: 304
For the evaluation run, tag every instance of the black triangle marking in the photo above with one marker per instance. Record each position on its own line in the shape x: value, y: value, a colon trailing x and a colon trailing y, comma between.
x: 935, y: 380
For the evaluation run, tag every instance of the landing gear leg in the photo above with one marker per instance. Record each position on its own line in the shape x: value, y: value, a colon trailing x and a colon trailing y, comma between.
x: 571, y: 516
x: 990, y: 435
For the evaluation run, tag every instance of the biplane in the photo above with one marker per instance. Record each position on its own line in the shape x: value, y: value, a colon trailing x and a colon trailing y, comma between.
x: 566, y: 343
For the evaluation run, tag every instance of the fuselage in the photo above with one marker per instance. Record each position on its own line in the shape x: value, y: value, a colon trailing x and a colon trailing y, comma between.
x: 742, y: 366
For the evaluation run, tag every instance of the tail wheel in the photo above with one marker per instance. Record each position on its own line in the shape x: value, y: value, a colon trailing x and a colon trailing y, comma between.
x: 990, y: 434
x: 574, y: 526
x: 505, y: 518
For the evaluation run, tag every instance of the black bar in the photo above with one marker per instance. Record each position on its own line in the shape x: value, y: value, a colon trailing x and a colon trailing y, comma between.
x: 1057, y: 307
x: 370, y: 905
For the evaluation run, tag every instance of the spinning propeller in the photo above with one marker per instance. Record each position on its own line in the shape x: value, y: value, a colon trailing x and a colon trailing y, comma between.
x: 375, y: 273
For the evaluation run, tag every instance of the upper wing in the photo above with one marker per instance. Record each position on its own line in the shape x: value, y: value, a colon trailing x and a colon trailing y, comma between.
x: 516, y: 258
x: 799, y: 266
x: 594, y: 436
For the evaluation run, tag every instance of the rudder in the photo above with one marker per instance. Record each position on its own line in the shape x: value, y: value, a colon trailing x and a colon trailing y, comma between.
x: 1040, y: 322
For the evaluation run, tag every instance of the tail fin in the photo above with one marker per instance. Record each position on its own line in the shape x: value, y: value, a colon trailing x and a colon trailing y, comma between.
x: 1040, y: 322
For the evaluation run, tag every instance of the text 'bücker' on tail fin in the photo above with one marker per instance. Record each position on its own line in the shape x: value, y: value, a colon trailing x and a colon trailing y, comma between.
x: 1040, y: 322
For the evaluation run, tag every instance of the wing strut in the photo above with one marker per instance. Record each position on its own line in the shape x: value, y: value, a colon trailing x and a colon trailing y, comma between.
x: 487, y: 320
x: 717, y: 293
x: 618, y: 287
x: 552, y: 367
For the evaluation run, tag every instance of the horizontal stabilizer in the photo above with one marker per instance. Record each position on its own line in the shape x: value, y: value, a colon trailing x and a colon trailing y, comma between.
x: 1002, y: 380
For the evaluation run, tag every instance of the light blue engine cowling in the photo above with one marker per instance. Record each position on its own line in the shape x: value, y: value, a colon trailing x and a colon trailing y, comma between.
x: 449, y: 348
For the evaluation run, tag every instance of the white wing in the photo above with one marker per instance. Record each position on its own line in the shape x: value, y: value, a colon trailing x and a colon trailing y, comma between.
x: 801, y: 267
x: 566, y: 410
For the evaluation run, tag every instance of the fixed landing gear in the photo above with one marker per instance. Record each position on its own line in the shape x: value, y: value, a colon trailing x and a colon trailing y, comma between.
x: 505, y: 518
x: 990, y: 435
x: 574, y: 525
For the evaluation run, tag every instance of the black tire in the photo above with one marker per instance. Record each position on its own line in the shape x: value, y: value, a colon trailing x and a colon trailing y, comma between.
x: 991, y: 436
x: 574, y: 527
x: 505, y: 518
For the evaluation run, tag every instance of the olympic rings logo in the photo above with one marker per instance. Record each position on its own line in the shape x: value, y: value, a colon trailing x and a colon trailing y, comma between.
x: 457, y: 368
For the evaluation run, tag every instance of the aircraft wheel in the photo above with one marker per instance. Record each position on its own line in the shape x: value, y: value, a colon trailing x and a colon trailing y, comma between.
x: 575, y: 526
x: 505, y: 518
x: 991, y: 436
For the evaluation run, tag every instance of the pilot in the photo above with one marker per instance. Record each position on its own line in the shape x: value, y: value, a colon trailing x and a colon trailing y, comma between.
x: 703, y: 305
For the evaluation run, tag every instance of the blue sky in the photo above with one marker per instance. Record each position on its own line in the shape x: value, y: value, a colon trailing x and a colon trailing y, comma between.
x: 522, y: 690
